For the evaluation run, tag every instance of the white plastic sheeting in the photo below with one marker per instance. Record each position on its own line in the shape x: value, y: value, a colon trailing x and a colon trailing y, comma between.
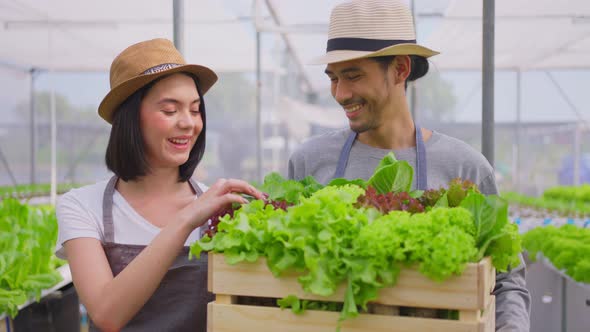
x: 66, y: 35
x: 530, y: 34
x: 299, y: 117
x: 71, y: 35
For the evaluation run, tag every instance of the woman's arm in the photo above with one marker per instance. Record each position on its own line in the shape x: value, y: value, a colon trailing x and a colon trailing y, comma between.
x: 113, y: 301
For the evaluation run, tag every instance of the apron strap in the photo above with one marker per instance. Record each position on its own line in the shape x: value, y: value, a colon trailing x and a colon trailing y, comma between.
x: 195, y: 187
x: 344, y: 154
x: 421, y: 166
x: 421, y: 175
x: 198, y: 191
x: 107, y: 210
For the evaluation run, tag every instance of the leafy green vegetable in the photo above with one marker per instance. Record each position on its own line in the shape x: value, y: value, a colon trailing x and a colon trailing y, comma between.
x: 299, y: 306
x: 567, y: 247
x: 341, y: 182
x: 392, y: 175
x: 389, y: 201
x: 416, y: 193
x: 431, y: 196
x: 494, y: 235
x: 388, y: 159
x: 10, y: 300
x: 443, y: 201
x: 458, y: 190
x: 505, y: 248
x: 347, y: 232
x: 281, y: 189
x: 30, y: 190
x: 438, y: 241
x: 579, y: 193
x: 292, y: 302
x: 27, y: 264
x: 551, y: 203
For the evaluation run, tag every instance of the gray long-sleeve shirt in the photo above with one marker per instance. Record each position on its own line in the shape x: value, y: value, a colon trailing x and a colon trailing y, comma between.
x: 447, y: 158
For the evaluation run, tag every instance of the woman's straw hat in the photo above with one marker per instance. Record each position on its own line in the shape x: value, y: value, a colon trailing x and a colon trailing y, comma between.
x: 371, y: 28
x: 140, y: 64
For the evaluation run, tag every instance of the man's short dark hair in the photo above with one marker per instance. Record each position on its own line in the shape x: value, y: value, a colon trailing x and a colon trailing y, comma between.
x: 419, y: 65
x: 125, y: 155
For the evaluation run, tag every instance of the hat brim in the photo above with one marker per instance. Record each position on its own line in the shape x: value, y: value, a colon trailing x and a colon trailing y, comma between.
x: 118, y: 94
x: 399, y: 49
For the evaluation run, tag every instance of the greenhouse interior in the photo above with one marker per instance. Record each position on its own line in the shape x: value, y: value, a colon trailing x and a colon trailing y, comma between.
x: 269, y: 225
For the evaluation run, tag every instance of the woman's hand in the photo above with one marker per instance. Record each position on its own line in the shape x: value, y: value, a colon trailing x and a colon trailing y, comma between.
x: 220, y: 195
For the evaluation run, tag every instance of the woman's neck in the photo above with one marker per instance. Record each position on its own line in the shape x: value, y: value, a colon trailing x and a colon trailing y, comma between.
x: 159, y: 182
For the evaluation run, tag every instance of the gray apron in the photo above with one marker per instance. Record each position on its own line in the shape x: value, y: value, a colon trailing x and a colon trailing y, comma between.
x: 180, y: 301
x: 421, y: 176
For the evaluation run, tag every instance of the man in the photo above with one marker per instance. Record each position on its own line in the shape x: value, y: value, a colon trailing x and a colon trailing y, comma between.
x: 371, y: 55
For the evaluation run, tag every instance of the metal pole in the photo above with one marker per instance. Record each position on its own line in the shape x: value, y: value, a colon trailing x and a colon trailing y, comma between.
x: 517, y: 138
x: 258, y: 111
x: 178, y: 24
x: 276, y: 163
x: 33, y: 129
x: 413, y: 85
x: 487, y: 110
x: 53, y: 123
x: 53, y: 196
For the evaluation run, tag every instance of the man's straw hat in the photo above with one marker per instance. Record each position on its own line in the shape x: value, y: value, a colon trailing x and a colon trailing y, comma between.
x: 371, y: 28
x: 140, y: 64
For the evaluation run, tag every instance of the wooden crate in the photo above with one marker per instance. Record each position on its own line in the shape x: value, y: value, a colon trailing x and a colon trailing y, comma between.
x: 468, y: 293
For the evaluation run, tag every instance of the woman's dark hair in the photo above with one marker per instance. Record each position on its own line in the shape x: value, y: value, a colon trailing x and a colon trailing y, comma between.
x: 125, y: 155
x: 418, y: 65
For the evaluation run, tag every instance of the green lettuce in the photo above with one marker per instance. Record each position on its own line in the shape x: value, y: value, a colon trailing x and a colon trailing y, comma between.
x: 27, y: 263
x: 330, y: 239
x: 392, y: 175
x: 279, y: 188
x: 567, y: 247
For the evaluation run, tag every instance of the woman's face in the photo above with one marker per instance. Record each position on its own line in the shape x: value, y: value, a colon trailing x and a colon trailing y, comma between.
x: 170, y: 121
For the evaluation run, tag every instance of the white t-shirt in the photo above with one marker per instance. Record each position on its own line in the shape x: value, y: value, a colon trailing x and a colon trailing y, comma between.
x: 79, y: 214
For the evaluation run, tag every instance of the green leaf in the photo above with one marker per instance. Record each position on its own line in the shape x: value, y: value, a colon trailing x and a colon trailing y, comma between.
x: 394, y: 178
x: 279, y: 188
x: 292, y: 302
x: 27, y: 265
x: 504, y: 248
x: 490, y: 215
x: 310, y: 185
x: 443, y: 201
x: 389, y: 159
x: 416, y: 193
x: 350, y: 310
x: 338, y: 182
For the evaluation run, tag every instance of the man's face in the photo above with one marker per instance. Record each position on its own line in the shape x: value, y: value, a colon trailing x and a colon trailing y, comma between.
x: 362, y: 88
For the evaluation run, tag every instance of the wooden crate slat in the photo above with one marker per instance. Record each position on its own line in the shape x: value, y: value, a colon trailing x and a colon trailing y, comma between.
x: 470, y: 291
x: 227, y: 318
x: 226, y: 299
x: 489, y: 315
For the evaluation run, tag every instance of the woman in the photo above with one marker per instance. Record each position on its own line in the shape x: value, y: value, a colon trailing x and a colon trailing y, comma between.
x: 125, y: 239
